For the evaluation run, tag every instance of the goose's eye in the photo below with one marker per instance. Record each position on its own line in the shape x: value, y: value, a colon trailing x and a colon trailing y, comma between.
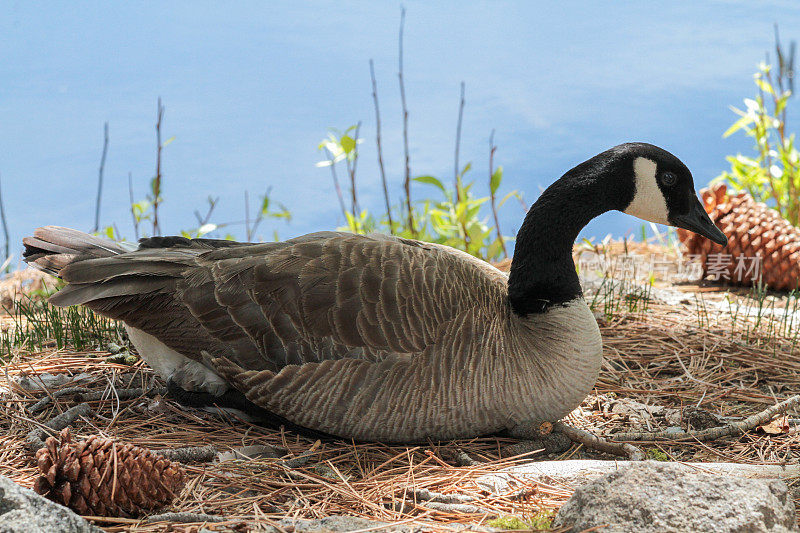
x: 668, y: 179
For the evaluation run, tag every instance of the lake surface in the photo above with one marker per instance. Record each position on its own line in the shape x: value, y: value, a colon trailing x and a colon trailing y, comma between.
x: 251, y: 88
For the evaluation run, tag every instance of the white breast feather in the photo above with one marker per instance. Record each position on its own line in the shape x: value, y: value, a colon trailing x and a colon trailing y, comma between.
x: 187, y: 373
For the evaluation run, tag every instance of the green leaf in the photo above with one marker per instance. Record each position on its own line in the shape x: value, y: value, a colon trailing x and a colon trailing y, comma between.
x: 348, y: 143
x: 352, y: 223
x: 513, y: 193
x: 764, y: 86
x: 283, y: 213
x: 495, y: 248
x: 168, y: 141
x: 497, y: 178
x: 430, y: 180
x: 739, y: 124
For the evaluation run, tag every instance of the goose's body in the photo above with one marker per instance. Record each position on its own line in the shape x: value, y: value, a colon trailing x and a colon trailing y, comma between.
x: 369, y: 337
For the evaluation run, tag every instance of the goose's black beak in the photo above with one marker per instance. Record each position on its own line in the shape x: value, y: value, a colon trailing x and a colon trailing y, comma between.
x: 697, y: 220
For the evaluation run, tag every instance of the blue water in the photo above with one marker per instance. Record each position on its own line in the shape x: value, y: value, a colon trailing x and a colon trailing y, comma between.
x: 250, y: 89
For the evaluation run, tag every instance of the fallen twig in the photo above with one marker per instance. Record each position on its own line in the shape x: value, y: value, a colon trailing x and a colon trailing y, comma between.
x: 453, y: 507
x: 248, y: 453
x: 431, y: 496
x: 300, y: 460
x: 35, y: 438
x: 463, y: 459
x: 47, y: 400
x: 410, y: 506
x: 86, y: 395
x: 552, y: 443
x: 190, y: 454
x: 742, y: 426
x: 598, y: 443
x: 184, y: 517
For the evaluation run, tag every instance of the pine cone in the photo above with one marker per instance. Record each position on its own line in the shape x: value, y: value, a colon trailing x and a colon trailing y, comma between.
x: 101, y: 477
x: 761, y: 244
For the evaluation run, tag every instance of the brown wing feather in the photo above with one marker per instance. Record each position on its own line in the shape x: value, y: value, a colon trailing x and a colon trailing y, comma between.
x: 342, y: 296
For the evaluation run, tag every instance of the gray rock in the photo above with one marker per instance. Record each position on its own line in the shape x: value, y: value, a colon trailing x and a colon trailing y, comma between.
x: 24, y: 511
x: 665, y: 497
x: 576, y: 472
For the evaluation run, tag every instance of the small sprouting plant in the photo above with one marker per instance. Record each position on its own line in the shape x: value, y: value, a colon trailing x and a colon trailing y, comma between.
x: 654, y: 454
x: 38, y: 325
x: 455, y: 216
x: 541, y: 520
x: 343, y: 146
x: 772, y: 174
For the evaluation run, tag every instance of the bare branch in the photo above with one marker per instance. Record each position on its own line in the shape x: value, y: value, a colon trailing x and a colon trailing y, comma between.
x: 351, y: 169
x: 203, y: 220
x: 157, y: 178
x: 493, y: 195
x: 380, y: 148
x: 5, y: 227
x: 407, y: 180
x: 456, y: 172
x: 260, y: 216
x: 133, y: 211
x: 336, y: 181
x: 100, y: 179
x: 247, y: 215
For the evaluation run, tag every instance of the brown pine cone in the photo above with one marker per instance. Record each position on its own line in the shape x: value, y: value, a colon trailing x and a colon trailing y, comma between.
x: 101, y: 477
x: 761, y: 244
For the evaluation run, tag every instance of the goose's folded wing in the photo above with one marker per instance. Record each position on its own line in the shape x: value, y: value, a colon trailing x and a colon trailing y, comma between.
x: 333, y: 296
x: 322, y: 296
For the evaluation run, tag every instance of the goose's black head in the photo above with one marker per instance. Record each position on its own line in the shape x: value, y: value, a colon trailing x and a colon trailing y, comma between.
x: 654, y: 185
x: 636, y: 178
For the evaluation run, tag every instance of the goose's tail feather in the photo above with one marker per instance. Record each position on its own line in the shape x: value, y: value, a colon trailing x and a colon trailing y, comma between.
x: 51, y: 248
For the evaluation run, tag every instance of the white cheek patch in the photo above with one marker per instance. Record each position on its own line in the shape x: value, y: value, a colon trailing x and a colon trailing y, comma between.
x: 648, y: 201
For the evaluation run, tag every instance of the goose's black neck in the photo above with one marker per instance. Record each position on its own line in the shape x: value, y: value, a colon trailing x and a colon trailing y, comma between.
x: 542, y: 272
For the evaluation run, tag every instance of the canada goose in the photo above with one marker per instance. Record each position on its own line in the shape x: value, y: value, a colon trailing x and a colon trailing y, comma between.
x: 377, y: 337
